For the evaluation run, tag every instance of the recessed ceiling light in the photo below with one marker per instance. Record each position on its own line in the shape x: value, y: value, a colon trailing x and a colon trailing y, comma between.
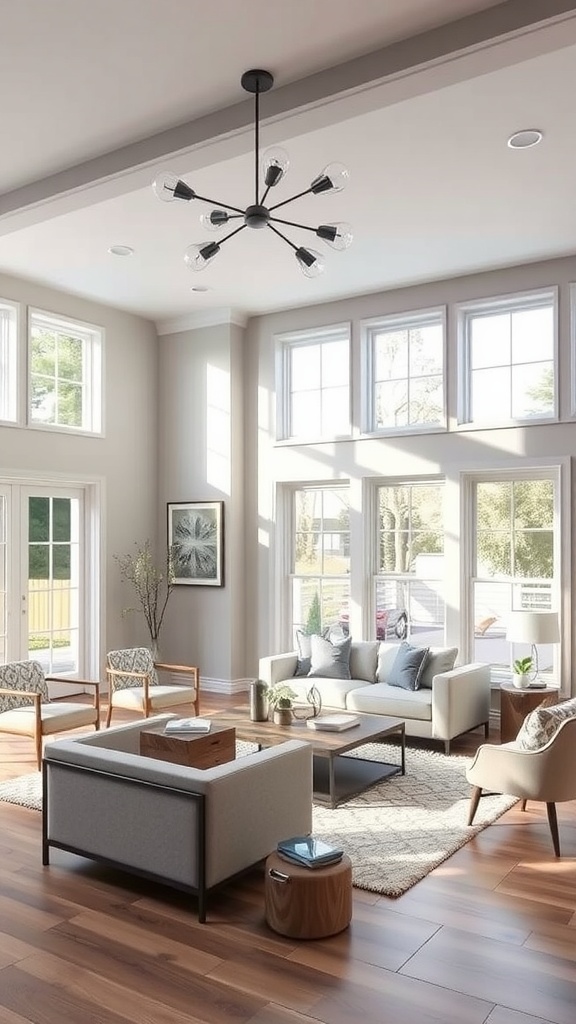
x: 526, y: 138
x: 200, y: 288
x: 121, y: 250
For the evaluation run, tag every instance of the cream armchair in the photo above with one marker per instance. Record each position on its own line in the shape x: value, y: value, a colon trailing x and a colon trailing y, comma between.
x: 133, y: 683
x: 26, y: 709
x: 547, y: 774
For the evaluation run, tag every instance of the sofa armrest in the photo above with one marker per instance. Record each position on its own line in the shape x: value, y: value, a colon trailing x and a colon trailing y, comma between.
x: 460, y: 700
x: 277, y: 667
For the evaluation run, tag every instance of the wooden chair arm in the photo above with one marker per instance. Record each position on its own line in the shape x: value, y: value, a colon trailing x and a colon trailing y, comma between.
x: 9, y: 691
x: 73, y: 682
x: 187, y: 669
x: 126, y: 672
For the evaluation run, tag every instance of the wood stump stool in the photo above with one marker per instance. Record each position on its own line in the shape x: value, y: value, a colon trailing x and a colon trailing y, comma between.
x: 307, y: 903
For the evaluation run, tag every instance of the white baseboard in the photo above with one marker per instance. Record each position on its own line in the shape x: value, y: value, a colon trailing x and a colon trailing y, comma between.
x: 229, y: 687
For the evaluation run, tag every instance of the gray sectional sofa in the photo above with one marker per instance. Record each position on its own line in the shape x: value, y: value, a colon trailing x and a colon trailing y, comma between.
x: 187, y: 827
x: 449, y: 700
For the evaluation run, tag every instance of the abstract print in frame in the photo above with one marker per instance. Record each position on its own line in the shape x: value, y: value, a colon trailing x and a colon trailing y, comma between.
x: 196, y: 539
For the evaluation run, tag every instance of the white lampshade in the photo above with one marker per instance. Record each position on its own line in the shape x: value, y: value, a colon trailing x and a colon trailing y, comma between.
x: 533, y: 628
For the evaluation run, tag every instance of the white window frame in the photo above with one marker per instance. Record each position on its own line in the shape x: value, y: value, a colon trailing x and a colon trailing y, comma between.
x: 285, y: 343
x: 10, y: 390
x: 513, y: 302
x: 92, y: 337
x: 573, y: 350
x: 399, y: 321
x: 558, y: 471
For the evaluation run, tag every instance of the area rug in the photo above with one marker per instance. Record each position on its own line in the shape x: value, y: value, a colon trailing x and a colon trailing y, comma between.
x: 394, y: 833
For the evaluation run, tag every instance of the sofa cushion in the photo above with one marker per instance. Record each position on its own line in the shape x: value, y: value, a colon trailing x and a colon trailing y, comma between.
x: 304, y: 648
x: 407, y: 667
x: 541, y: 724
x: 330, y: 658
x: 333, y: 692
x: 440, y: 659
x: 381, y: 699
x: 363, y: 660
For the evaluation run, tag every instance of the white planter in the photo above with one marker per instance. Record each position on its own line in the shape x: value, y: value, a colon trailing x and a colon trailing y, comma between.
x: 521, y: 681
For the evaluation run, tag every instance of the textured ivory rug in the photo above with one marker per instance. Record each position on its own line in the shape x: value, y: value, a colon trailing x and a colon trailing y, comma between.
x: 394, y: 833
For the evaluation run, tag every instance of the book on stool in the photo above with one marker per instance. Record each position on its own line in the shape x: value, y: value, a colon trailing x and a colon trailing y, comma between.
x: 309, y: 852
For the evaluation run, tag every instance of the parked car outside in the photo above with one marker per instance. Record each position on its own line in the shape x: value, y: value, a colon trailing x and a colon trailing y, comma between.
x: 390, y: 623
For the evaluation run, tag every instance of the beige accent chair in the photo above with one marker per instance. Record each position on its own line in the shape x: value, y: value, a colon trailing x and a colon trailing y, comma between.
x: 133, y: 683
x: 548, y: 773
x: 26, y: 708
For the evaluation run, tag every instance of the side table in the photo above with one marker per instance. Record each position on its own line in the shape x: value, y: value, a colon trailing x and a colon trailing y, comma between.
x: 515, y: 704
x: 193, y: 749
x: 307, y: 903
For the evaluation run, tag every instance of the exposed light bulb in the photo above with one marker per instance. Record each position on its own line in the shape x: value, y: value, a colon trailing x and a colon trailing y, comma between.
x: 275, y: 163
x: 168, y: 186
x: 333, y: 178
x: 197, y: 257
x: 337, y: 236
x: 215, y: 220
x: 310, y: 262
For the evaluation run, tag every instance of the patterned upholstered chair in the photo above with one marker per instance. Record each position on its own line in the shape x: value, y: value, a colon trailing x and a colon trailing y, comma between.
x: 26, y: 708
x: 133, y: 683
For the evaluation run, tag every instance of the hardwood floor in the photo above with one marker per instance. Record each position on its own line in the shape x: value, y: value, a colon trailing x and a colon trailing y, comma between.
x: 489, y: 936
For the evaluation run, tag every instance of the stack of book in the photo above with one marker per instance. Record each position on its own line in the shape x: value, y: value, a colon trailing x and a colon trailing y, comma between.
x: 178, y: 725
x: 333, y: 723
x: 309, y: 852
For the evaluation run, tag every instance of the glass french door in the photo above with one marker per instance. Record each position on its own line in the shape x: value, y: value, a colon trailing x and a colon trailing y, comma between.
x: 42, y: 577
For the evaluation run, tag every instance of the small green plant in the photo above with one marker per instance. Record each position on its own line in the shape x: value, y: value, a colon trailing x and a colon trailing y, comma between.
x: 522, y: 666
x: 280, y: 695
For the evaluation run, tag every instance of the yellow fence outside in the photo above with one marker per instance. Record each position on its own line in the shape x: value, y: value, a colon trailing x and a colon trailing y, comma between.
x: 48, y: 610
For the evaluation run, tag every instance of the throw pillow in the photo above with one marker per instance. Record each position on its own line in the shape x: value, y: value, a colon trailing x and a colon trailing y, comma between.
x: 408, y: 666
x: 543, y: 723
x: 330, y: 659
x: 304, y: 651
x: 440, y: 659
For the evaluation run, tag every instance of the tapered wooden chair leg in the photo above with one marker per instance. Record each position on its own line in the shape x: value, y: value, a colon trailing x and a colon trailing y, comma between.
x: 474, y: 801
x: 553, y: 822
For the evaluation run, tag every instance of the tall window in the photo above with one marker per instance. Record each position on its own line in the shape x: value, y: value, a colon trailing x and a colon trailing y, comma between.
x: 314, y: 388
x: 509, y: 358
x: 8, y: 361
x: 409, y: 585
x: 321, y: 558
x: 516, y: 560
x: 405, y: 359
x: 65, y: 373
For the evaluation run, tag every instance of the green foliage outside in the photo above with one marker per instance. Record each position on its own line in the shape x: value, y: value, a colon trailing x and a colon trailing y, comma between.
x: 36, y: 642
x: 49, y: 534
x: 516, y: 529
x: 56, y: 367
x: 314, y: 619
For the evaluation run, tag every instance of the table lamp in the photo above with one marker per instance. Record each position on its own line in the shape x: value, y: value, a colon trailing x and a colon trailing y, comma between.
x: 533, y: 628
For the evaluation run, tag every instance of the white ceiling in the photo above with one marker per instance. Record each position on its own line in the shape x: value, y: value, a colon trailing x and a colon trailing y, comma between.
x: 96, y: 98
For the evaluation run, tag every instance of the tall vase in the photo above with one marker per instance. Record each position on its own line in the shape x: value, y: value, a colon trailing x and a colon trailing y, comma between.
x: 155, y: 648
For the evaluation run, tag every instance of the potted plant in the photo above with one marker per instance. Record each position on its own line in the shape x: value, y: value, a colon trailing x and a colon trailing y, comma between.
x: 280, y: 697
x: 522, y: 672
x: 153, y: 587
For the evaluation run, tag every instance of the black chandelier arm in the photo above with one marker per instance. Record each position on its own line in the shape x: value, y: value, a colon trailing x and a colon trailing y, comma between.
x: 256, y: 143
x: 291, y: 200
x: 224, y: 206
x: 231, y: 234
x: 292, y: 224
x: 283, y: 237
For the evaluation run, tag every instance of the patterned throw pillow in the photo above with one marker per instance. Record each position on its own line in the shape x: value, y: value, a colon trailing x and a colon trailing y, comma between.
x: 330, y: 658
x: 408, y: 667
x: 543, y: 723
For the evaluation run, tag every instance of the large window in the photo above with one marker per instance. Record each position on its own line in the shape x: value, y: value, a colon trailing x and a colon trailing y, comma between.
x: 314, y: 385
x: 405, y: 370
x: 409, y: 584
x: 516, y: 561
x: 509, y: 348
x: 8, y: 361
x: 65, y: 373
x: 321, y: 558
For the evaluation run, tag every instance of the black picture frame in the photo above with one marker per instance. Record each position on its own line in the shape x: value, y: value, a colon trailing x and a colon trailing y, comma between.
x: 196, y: 541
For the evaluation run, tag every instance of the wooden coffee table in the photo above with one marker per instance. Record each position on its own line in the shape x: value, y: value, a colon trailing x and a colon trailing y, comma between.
x: 336, y: 777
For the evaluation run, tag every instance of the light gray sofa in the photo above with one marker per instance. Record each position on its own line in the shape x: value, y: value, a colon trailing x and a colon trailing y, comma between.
x: 448, y: 702
x: 189, y: 828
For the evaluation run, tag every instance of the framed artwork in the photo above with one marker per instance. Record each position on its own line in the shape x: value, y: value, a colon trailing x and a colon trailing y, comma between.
x: 196, y: 537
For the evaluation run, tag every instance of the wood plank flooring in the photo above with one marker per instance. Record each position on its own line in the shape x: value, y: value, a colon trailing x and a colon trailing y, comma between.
x: 489, y: 936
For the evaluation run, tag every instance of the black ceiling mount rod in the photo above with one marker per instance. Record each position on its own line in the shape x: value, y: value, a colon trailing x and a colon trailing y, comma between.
x: 333, y: 178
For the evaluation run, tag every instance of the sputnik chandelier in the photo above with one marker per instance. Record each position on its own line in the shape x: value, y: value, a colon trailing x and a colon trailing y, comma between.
x: 275, y: 163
